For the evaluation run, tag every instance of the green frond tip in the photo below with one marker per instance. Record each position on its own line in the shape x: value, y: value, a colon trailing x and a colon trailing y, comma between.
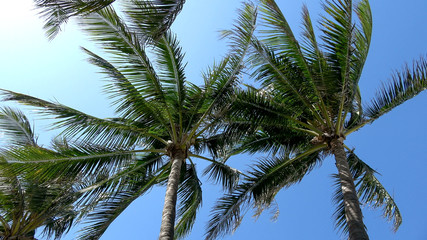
x: 190, y: 196
x: 220, y: 172
x: 404, y: 85
x: 16, y: 127
x: 57, y: 12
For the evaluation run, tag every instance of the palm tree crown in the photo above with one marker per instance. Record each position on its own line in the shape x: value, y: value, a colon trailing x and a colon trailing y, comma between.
x: 162, y: 123
x: 308, y: 104
x: 27, y: 205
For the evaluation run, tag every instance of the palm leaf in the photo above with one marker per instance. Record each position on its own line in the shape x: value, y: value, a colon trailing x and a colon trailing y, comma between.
x: 57, y: 12
x: 153, y: 17
x: 220, y: 81
x: 130, y: 103
x: 283, y: 74
x: 171, y: 71
x: 104, y: 131
x: 339, y: 214
x: 258, y: 190
x: 280, y: 35
x: 113, y: 34
x: 102, y: 211
x: 404, y: 86
x: 373, y: 193
x: 190, y: 198
x: 219, y: 172
x: 128, y: 47
x: 15, y: 125
x: 45, y: 164
x: 338, y: 41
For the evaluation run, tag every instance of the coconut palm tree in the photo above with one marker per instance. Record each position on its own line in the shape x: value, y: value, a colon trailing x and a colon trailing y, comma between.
x: 163, y: 121
x: 26, y: 205
x: 57, y: 12
x: 308, y: 104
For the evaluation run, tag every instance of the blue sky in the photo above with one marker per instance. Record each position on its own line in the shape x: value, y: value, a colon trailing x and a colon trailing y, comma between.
x: 395, y: 145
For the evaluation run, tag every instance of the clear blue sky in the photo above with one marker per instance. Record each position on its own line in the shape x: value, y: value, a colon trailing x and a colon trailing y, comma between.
x: 395, y: 145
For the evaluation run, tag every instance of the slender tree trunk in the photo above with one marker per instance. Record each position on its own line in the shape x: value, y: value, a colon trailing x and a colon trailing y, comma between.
x: 353, y: 213
x: 169, y: 208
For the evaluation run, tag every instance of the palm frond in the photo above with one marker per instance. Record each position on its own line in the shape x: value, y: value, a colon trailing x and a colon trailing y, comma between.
x: 58, y: 215
x: 154, y: 18
x: 338, y: 41
x: 190, y: 200
x: 44, y: 164
x: 272, y: 174
x: 171, y: 72
x: 283, y: 74
x: 102, y: 211
x: 219, y: 172
x: 258, y: 190
x: 16, y: 127
x: 255, y: 107
x: 363, y: 33
x: 92, y: 129
x: 130, y: 103
x: 280, y: 37
x: 114, y: 36
x: 29, y: 204
x: 404, y: 86
x: 12, y: 197
x: 227, y: 212
x: 158, y: 15
x: 220, y: 80
x: 94, y: 187
x: 339, y: 214
x: 58, y: 12
x: 373, y: 193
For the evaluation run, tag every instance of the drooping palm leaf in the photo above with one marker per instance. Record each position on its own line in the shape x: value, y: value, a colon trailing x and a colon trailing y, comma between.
x: 15, y: 125
x: 372, y: 192
x: 100, y: 212
x: 57, y: 12
x: 259, y: 189
x: 190, y: 197
x: 219, y: 172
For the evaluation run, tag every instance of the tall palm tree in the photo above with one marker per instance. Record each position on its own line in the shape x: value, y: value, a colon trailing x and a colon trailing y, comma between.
x: 308, y: 104
x: 26, y: 205
x: 163, y: 121
x: 57, y: 12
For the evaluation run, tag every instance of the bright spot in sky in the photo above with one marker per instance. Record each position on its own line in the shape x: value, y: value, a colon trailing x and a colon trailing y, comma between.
x: 17, y: 10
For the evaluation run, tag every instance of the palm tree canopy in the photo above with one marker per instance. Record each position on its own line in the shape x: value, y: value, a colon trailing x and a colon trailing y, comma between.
x: 309, y: 98
x: 158, y: 113
x: 27, y: 205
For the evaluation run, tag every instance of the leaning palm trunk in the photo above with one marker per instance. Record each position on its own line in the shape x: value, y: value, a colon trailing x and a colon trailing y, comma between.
x: 353, y: 213
x: 169, y: 208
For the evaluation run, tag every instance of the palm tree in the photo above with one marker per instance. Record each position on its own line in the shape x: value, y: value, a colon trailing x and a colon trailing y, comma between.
x: 57, y: 12
x: 308, y: 104
x: 163, y: 121
x: 26, y: 205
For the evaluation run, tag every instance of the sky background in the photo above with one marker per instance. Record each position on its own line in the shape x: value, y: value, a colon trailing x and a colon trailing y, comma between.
x: 395, y: 145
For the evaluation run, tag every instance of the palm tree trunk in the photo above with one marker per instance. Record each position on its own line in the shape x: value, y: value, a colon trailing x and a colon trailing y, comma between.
x: 169, y: 208
x: 353, y: 213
